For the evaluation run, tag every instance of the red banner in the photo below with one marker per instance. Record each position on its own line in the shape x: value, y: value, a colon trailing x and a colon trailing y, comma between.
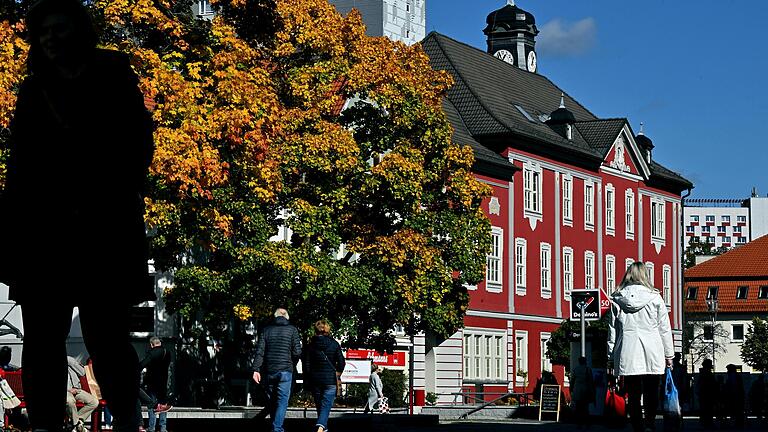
x: 397, y: 358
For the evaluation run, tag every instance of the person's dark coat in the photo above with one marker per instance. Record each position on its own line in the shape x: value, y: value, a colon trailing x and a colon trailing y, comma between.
x: 157, y: 361
x: 278, y: 348
x: 322, y: 360
x: 80, y: 150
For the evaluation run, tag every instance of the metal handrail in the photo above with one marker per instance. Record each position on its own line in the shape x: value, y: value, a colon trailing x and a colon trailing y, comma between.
x: 493, y: 402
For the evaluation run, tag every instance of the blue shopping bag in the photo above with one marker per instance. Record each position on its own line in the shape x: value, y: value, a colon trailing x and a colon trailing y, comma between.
x: 671, y: 402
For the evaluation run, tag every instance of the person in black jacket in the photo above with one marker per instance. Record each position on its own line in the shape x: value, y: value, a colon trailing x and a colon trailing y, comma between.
x: 79, y: 151
x: 323, y: 363
x: 277, y: 352
x: 155, y: 392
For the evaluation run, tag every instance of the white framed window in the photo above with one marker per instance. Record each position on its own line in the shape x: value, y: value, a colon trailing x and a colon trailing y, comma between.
x: 649, y: 267
x: 494, y: 267
x: 628, y: 262
x: 610, y: 273
x: 567, y: 200
x: 546, y: 363
x: 629, y: 214
x: 726, y: 239
x: 589, y: 205
x: 741, y: 219
x: 567, y: 271
x: 711, y: 240
x: 521, y: 251
x: 690, y: 228
x: 709, y: 218
x: 721, y: 229
x: 695, y: 218
x: 706, y: 229
x: 741, y: 240
x: 657, y: 220
x: 666, y: 283
x: 532, y: 189
x: 736, y: 229
x: 546, y: 270
x: 204, y: 8
x: 521, y: 354
x: 610, y: 210
x: 725, y: 218
x: 589, y: 270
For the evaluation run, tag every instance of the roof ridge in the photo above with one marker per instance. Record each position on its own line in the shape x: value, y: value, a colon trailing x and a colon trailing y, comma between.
x: 604, y: 119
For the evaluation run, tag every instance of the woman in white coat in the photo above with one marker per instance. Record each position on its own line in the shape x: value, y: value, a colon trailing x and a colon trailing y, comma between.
x: 639, y: 343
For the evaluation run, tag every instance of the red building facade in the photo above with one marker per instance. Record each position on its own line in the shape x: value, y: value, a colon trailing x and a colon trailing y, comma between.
x: 576, y: 199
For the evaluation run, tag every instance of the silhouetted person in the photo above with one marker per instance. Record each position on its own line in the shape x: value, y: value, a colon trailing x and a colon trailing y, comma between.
x: 155, y: 391
x: 757, y: 397
x: 582, y: 391
x: 5, y: 360
x: 80, y: 148
x: 707, y: 392
x: 734, y: 396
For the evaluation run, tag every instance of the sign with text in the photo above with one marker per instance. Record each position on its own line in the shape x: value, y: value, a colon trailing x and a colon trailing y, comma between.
x: 605, y: 303
x: 396, y: 358
x: 590, y: 298
x: 549, y: 400
x: 356, y: 371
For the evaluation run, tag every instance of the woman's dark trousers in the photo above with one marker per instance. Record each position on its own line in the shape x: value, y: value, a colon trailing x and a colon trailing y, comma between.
x: 643, y: 417
x: 106, y: 332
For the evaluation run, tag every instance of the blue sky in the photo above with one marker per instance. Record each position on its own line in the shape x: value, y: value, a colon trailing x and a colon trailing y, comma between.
x: 694, y: 71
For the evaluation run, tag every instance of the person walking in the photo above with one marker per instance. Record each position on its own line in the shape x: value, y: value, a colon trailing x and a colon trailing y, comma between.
x: 75, y: 394
x: 582, y: 391
x: 639, y: 343
x: 375, y: 389
x: 734, y: 396
x: 155, y: 391
x: 80, y: 147
x: 323, y: 363
x: 277, y: 352
x: 757, y: 397
x: 707, y: 391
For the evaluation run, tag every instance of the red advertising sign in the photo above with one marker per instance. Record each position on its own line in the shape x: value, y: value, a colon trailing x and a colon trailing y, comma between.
x: 605, y: 303
x: 397, y: 358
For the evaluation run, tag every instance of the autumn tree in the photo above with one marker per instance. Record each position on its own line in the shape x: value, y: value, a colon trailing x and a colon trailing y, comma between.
x: 754, y: 350
x: 299, y: 163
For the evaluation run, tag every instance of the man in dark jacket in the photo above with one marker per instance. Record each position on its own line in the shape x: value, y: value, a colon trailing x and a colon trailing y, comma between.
x: 277, y: 352
x: 155, y: 394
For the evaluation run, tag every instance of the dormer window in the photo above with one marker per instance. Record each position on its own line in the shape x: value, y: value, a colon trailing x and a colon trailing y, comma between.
x: 569, y: 131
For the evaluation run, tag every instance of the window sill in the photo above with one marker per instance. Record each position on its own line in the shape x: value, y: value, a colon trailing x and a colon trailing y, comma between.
x: 521, y: 291
x: 493, y: 288
x: 589, y: 227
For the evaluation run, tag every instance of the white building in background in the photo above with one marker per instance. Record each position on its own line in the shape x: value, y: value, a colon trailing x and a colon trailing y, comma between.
x: 401, y: 20
x: 726, y: 222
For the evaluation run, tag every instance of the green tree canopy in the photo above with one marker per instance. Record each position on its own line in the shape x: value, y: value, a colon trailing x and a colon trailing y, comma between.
x: 754, y: 350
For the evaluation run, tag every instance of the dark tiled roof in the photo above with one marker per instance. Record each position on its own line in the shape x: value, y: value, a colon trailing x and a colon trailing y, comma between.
x: 658, y: 170
x: 746, y: 261
x: 726, y: 296
x: 487, y: 89
x: 485, y: 93
x: 602, y: 133
x: 461, y: 136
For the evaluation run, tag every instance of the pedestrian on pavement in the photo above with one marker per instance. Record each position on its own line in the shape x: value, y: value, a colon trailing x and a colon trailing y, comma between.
x: 5, y: 360
x: 323, y: 364
x: 277, y: 352
x: 734, y: 396
x: 680, y: 378
x: 375, y: 389
x: 79, y: 152
x: 757, y: 397
x: 75, y: 394
x: 707, y: 391
x: 154, y: 393
x: 582, y: 391
x: 639, y: 343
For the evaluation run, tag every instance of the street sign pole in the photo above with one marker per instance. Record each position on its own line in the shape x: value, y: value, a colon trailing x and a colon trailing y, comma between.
x: 583, y: 307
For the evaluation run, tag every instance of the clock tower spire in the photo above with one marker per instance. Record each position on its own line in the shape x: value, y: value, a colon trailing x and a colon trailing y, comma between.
x: 511, y: 34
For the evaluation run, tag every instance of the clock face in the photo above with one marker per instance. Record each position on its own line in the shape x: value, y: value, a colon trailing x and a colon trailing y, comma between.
x: 532, y: 61
x: 505, y: 55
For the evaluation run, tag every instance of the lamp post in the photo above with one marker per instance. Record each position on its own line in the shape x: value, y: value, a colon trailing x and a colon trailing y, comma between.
x: 712, y: 306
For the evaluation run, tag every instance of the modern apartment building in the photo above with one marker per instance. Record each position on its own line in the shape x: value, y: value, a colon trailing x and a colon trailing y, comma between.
x: 725, y: 222
x: 402, y: 20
